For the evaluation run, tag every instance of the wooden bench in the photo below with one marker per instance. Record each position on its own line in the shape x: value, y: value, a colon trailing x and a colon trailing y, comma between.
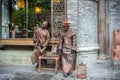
x: 22, y: 41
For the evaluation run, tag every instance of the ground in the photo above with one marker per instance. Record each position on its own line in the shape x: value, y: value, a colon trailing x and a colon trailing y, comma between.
x: 103, y: 70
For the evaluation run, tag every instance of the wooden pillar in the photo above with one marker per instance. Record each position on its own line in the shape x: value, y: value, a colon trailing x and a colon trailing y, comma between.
x: 107, y: 27
x: 0, y: 19
x: 102, y: 30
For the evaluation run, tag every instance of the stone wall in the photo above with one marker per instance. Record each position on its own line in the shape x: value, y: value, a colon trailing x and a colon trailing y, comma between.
x: 83, y: 17
x: 72, y: 13
x: 114, y: 18
x: 15, y: 57
x: 88, y: 25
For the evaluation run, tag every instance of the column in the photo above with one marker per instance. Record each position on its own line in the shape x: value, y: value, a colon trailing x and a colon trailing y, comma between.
x: 83, y: 17
x: 88, y: 32
x: 5, y: 19
x: 102, y: 30
x: 88, y: 25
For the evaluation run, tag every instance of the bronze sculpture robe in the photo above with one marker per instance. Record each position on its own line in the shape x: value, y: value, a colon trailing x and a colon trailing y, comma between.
x: 41, y: 38
x: 68, y: 45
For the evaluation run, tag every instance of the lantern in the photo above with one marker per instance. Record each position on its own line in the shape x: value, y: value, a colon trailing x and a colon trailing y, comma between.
x: 81, y: 71
x: 38, y: 9
x: 21, y: 4
x: 56, y: 1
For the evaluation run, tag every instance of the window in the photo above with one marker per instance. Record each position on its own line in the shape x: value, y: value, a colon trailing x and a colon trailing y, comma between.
x: 19, y: 19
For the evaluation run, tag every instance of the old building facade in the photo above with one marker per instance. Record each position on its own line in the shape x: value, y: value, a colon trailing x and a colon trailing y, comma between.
x: 93, y: 21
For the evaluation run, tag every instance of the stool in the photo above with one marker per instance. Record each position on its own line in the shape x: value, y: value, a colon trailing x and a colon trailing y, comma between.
x: 56, y: 58
x: 53, y: 55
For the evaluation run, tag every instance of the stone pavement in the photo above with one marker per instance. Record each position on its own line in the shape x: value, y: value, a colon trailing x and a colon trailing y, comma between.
x: 27, y: 72
x: 102, y: 70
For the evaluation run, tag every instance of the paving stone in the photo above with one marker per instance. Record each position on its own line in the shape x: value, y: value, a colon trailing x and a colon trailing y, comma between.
x: 6, y: 76
x: 29, y: 76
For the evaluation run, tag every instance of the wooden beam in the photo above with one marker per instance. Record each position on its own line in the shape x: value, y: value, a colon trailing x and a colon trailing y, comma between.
x: 107, y: 47
x: 102, y: 30
x: 101, y: 25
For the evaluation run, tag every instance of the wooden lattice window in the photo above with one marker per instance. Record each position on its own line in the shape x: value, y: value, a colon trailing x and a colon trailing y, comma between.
x: 58, y: 15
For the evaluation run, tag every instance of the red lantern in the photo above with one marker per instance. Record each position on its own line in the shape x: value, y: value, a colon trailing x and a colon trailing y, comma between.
x: 81, y: 71
x: 21, y: 4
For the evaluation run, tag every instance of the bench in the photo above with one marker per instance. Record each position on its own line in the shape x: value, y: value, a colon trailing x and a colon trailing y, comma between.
x: 22, y: 41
